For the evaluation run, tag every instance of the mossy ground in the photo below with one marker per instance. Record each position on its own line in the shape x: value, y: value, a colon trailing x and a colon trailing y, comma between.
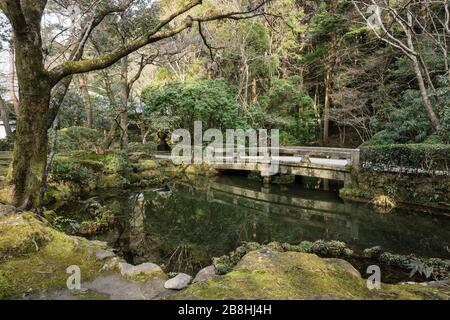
x: 38, y: 256
x: 81, y: 172
x: 149, y: 276
x: 268, y: 274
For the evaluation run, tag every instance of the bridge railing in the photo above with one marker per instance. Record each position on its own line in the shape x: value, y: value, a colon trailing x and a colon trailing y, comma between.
x: 265, y: 155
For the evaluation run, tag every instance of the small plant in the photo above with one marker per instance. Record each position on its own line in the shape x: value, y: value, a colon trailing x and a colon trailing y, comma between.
x: 62, y: 223
x: 384, y: 204
x: 421, y: 268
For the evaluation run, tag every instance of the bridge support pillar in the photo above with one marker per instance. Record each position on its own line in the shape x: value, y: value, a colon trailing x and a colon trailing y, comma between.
x: 266, y: 181
x: 348, y: 180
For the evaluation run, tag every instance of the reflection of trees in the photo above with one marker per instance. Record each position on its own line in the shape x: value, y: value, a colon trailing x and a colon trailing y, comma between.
x: 189, y: 221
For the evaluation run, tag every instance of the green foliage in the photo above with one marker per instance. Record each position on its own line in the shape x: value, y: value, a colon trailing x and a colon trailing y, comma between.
x: 7, y: 144
x: 408, y: 124
x: 79, y: 138
x: 419, y: 158
x: 83, y: 168
x: 226, y: 263
x: 178, y: 105
x: 100, y: 219
x: 285, y: 106
x: 63, y: 172
x: 142, y: 147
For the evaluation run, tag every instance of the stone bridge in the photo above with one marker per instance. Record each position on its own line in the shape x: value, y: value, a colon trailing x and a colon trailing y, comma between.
x: 325, y: 163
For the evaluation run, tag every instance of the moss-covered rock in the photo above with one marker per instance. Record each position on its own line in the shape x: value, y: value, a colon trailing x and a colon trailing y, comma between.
x: 144, y: 165
x: 38, y: 256
x: 334, y: 249
x: 112, y: 181
x: 21, y: 234
x: 270, y: 274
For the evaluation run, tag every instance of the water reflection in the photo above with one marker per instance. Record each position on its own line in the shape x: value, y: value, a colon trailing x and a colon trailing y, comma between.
x: 183, y: 226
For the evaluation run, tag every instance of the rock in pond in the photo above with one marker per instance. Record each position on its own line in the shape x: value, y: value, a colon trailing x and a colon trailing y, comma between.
x: 180, y: 282
x: 205, y: 274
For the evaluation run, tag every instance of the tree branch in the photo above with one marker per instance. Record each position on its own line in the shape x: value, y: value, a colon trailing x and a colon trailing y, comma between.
x: 151, y: 36
x: 68, y: 68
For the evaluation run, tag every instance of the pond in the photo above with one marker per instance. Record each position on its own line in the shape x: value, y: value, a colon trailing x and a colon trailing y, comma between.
x: 183, y: 226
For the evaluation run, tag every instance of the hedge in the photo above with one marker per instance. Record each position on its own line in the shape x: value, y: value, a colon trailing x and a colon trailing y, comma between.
x: 407, y: 158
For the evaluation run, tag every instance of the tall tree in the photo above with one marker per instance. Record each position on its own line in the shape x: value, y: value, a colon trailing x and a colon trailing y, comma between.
x: 329, y: 70
x: 87, y: 101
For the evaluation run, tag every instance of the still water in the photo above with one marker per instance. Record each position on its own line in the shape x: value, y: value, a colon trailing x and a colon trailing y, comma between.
x: 184, y: 226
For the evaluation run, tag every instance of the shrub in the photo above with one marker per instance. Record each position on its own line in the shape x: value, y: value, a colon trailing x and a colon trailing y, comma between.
x: 210, y: 101
x: 79, y: 138
x: 429, y: 159
x: 63, y: 171
x: 7, y: 144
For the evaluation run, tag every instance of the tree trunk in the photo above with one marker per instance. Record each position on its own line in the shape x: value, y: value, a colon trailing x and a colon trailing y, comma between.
x: 326, y: 108
x: 329, y: 79
x: 87, y: 101
x: 124, y: 96
x: 5, y: 118
x: 25, y: 182
x: 420, y: 78
x: 30, y: 150
x: 110, y: 136
x: 254, y: 91
x: 423, y: 92
x: 12, y: 78
x: 328, y: 91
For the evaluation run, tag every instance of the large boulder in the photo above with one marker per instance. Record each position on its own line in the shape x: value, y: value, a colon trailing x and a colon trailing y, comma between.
x: 34, y: 257
x: 20, y: 235
x: 270, y: 274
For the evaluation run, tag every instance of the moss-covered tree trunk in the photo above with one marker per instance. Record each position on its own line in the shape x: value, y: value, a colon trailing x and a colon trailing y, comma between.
x: 30, y: 150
